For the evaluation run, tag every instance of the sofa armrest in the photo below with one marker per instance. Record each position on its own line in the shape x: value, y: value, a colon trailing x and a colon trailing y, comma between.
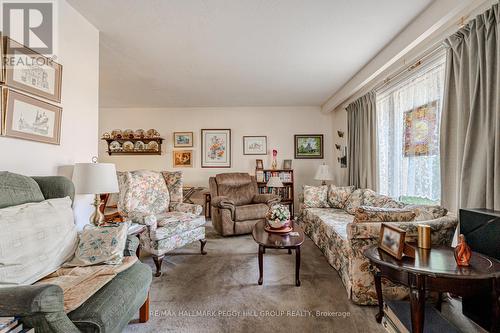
x: 186, y: 208
x: 222, y: 202
x: 268, y: 199
x: 442, y: 229
x: 143, y: 218
x: 131, y: 246
x: 27, y: 300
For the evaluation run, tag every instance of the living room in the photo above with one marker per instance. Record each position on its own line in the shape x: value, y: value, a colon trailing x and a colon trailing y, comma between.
x: 241, y: 166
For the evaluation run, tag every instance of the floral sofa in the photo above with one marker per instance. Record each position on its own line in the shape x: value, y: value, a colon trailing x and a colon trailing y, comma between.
x: 330, y: 218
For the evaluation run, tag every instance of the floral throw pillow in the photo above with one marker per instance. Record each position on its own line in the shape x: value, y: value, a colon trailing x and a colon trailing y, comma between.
x: 372, y: 198
x: 316, y: 196
x: 337, y: 196
x: 381, y: 214
x: 354, y: 201
x: 100, y: 245
x: 426, y: 213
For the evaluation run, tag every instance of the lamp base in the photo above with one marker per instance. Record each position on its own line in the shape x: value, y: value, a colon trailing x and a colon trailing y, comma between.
x: 97, y: 218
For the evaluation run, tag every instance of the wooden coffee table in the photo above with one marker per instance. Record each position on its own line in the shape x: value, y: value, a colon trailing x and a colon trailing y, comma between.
x: 267, y: 240
x: 436, y: 270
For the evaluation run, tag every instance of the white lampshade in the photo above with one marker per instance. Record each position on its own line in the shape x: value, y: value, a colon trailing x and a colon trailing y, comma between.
x: 274, y: 182
x: 95, y: 178
x: 323, y: 173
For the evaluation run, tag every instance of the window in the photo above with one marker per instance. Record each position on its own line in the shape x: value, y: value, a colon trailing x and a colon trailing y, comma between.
x: 408, y: 121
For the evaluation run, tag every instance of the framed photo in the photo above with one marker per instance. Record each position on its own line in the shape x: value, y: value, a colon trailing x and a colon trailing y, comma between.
x: 31, y: 72
x: 287, y: 164
x: 215, y: 148
x: 183, y: 139
x: 31, y: 119
x: 392, y: 240
x: 183, y: 158
x: 259, y: 176
x: 309, y: 146
x: 255, y: 145
x: 259, y: 165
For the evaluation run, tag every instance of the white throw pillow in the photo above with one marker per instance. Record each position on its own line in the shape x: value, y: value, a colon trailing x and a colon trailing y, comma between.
x: 35, y: 240
x: 100, y: 245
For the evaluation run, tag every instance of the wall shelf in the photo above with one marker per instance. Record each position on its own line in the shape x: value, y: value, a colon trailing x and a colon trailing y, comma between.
x: 135, y: 151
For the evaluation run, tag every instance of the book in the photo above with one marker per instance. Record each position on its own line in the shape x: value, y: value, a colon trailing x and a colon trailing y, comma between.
x: 398, y: 313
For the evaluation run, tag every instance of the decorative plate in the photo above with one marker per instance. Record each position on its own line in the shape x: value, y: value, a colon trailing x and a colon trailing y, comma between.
x: 128, y: 134
x: 128, y: 146
x: 116, y: 134
x: 153, y: 145
x: 106, y: 135
x: 114, y: 146
x: 152, y: 133
x: 140, y: 134
x: 139, y: 145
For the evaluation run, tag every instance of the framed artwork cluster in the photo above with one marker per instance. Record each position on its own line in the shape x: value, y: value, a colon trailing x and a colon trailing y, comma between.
x: 30, y: 83
x: 183, y: 158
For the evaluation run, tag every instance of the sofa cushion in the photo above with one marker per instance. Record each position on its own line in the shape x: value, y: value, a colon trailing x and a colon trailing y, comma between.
x: 143, y: 191
x: 382, y: 214
x: 18, y: 189
x: 426, y: 212
x: 250, y: 212
x: 337, y: 196
x: 35, y: 240
x: 240, y: 187
x: 354, y: 201
x: 316, y: 196
x: 173, y: 223
x: 372, y: 198
x: 173, y: 179
x: 100, y: 245
x: 110, y: 308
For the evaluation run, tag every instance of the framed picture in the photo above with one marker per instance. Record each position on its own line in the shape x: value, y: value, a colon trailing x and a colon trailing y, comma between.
x: 392, y: 240
x: 183, y: 139
x: 255, y: 145
x: 259, y: 164
x: 259, y: 176
x: 215, y: 148
x: 31, y: 119
x: 287, y: 164
x: 31, y: 72
x: 309, y: 146
x: 183, y: 158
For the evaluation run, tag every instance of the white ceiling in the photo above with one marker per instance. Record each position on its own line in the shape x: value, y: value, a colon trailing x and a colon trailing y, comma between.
x: 197, y: 53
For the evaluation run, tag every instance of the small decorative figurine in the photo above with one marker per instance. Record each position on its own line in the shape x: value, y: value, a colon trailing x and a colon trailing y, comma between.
x: 462, y: 252
x: 274, y: 165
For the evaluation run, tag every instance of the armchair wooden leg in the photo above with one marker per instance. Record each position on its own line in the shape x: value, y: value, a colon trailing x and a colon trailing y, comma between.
x: 158, y: 261
x: 144, y: 311
x: 203, y: 242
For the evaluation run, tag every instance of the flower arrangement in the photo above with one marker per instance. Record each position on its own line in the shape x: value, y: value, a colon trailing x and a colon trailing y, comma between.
x: 278, y: 216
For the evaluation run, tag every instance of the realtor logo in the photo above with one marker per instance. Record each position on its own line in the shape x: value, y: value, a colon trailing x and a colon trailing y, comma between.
x: 30, y: 24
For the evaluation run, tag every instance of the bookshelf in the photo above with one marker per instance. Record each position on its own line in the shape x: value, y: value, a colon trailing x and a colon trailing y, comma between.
x: 286, y: 193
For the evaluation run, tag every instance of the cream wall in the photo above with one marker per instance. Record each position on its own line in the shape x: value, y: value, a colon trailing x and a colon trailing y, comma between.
x: 278, y: 123
x: 78, y: 52
x: 339, y: 123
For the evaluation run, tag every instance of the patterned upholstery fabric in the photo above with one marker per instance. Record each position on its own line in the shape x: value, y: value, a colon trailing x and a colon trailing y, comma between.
x: 371, y: 198
x: 316, y: 196
x: 382, y: 214
x: 337, y: 196
x: 343, y: 243
x: 424, y: 212
x: 174, y: 182
x: 354, y: 201
x: 171, y: 223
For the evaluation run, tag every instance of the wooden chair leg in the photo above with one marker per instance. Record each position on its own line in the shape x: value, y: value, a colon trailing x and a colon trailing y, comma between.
x: 144, y: 311
x: 202, y: 249
x: 158, y: 261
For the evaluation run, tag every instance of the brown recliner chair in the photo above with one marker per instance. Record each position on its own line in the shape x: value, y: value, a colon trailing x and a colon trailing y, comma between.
x: 236, y: 203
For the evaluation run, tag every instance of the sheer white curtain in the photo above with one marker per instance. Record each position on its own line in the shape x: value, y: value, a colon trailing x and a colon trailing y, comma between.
x: 409, y: 178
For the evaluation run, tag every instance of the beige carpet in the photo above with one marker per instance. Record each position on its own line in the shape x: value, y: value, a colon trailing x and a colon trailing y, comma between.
x: 219, y: 292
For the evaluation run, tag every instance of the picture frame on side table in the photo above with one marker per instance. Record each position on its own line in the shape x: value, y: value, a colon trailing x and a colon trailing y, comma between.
x: 255, y: 145
x: 183, y: 158
x: 31, y: 119
x: 183, y: 139
x: 259, y: 164
x: 308, y: 146
x: 31, y: 72
x: 392, y: 240
x: 215, y: 148
x: 287, y: 164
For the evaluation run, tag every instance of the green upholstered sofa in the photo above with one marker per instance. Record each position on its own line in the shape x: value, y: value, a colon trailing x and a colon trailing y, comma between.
x: 41, y: 306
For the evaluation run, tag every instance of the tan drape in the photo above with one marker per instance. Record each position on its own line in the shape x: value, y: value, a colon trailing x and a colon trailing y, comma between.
x: 470, y: 126
x: 362, y: 142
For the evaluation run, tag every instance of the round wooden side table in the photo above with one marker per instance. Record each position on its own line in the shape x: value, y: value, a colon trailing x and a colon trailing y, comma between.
x: 436, y: 270
x: 268, y: 240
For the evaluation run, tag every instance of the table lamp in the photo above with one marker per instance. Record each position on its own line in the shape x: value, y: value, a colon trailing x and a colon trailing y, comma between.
x: 275, y: 182
x: 323, y: 173
x: 95, y: 178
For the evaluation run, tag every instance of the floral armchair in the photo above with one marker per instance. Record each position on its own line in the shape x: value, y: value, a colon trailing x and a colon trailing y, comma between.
x: 155, y: 200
